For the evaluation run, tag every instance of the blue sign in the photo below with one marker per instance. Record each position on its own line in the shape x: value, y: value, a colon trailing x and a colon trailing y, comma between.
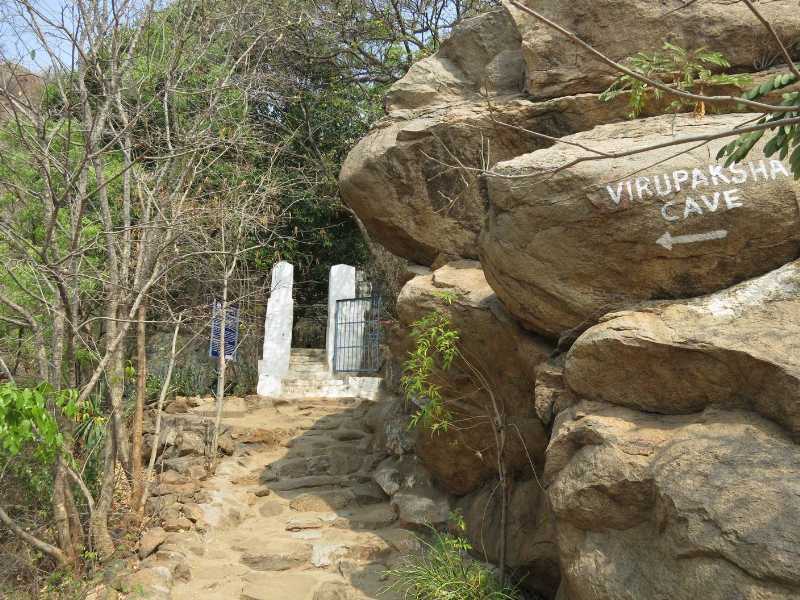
x: 231, y: 331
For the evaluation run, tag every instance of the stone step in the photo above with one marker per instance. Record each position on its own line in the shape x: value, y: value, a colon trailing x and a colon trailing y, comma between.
x: 311, y: 481
x: 313, y: 367
x: 372, y: 517
x: 303, y: 382
x: 336, y: 461
x: 308, y: 364
x: 320, y: 356
x: 320, y: 378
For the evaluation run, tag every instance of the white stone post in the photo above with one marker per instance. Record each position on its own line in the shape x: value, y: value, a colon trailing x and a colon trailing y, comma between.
x: 277, y: 331
x: 341, y: 285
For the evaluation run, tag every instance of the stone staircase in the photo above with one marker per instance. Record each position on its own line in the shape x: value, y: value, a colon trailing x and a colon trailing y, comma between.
x: 309, y: 377
x: 300, y: 519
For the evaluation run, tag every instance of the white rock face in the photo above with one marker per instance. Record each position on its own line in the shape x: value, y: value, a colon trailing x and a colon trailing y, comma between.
x: 277, y: 331
x: 341, y: 285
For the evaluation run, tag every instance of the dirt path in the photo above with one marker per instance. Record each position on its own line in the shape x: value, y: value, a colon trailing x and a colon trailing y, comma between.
x: 295, y: 514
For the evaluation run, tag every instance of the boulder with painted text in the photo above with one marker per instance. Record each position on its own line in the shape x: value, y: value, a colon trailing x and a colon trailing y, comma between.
x: 738, y: 348
x: 622, y: 28
x: 681, y: 507
x: 463, y: 457
x: 563, y: 245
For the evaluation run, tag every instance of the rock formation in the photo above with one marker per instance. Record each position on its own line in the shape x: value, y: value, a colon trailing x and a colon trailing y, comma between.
x: 414, y: 179
x: 637, y: 313
x: 620, y: 29
x: 739, y: 348
x: 563, y: 247
x: 462, y: 458
x: 697, y: 506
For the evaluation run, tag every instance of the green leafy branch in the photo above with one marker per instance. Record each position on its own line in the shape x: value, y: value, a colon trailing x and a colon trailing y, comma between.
x: 26, y: 418
x: 786, y: 141
x: 684, y: 70
x: 435, y: 346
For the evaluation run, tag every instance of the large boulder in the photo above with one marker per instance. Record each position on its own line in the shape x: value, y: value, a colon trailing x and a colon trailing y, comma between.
x: 414, y: 180
x: 563, y: 246
x: 680, y: 507
x: 483, y: 55
x: 736, y: 348
x: 464, y: 456
x: 557, y: 67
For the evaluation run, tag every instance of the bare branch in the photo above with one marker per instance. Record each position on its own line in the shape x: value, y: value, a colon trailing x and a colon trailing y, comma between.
x: 774, y: 33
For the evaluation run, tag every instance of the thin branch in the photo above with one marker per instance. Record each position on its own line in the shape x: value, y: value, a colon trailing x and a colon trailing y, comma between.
x: 48, y: 549
x: 774, y: 33
x: 675, y: 142
x: 84, y: 490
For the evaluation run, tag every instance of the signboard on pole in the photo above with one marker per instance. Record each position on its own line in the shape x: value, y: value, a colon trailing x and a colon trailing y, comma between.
x: 231, y: 331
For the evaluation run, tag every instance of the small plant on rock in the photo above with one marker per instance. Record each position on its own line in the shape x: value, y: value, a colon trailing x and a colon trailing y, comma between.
x: 685, y: 70
x: 436, y: 345
x: 436, y: 349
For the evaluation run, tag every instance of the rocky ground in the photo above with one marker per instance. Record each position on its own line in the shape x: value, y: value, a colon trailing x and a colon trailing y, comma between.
x: 306, y: 506
x: 293, y: 514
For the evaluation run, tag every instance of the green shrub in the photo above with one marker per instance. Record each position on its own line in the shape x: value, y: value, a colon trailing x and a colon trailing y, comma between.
x: 435, y: 347
x: 445, y: 571
x: 681, y: 69
x: 190, y: 381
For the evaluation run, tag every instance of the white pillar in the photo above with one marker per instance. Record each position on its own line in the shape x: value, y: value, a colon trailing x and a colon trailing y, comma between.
x: 341, y: 285
x: 277, y: 331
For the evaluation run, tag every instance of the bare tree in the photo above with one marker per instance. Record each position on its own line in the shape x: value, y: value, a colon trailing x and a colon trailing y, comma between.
x: 113, y: 167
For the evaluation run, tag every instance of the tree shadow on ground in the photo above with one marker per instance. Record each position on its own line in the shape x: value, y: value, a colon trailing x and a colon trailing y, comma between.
x: 321, y: 485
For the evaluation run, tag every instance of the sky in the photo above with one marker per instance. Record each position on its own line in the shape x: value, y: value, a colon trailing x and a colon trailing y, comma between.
x: 19, y: 44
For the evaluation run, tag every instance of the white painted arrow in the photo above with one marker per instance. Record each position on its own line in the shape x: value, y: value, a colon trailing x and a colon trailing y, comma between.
x: 667, y: 240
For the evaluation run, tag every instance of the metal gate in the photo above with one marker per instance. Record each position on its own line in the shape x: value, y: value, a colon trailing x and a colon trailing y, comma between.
x: 357, y: 338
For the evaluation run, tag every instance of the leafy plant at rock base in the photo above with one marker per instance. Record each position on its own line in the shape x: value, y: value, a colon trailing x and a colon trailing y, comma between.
x: 443, y: 570
x: 437, y: 347
x: 688, y: 71
x: 435, y: 340
x: 191, y: 381
x: 785, y: 141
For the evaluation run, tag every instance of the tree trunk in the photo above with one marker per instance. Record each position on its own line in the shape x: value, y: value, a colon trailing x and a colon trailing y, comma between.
x: 116, y: 388
x: 157, y: 433
x: 75, y: 525
x: 101, y: 538
x: 138, y: 419
x: 222, y: 363
x: 60, y: 513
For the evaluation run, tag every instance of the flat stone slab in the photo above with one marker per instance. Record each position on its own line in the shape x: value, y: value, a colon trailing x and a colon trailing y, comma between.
x: 294, y: 586
x: 276, y: 556
x: 306, y: 482
x: 322, y: 501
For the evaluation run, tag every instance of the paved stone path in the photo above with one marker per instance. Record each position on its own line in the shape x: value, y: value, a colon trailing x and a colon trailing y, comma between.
x: 295, y: 514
